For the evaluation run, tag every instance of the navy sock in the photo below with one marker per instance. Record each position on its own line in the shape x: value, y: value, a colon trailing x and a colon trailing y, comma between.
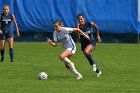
x: 11, y: 52
x: 2, y: 55
x: 91, y: 61
x: 89, y: 57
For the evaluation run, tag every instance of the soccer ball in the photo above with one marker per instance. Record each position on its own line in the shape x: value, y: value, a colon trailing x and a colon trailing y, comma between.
x: 42, y: 76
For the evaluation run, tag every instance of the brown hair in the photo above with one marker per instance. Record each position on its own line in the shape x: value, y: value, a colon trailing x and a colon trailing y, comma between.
x: 6, y: 6
x: 60, y: 23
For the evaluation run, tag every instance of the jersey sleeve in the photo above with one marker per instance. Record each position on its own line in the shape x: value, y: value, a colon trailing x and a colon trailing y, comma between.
x: 68, y: 29
x: 54, y: 37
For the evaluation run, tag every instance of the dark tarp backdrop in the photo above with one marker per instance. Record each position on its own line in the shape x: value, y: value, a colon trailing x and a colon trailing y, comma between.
x: 111, y: 16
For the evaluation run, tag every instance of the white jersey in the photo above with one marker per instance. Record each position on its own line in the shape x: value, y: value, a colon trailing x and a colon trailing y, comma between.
x: 64, y: 38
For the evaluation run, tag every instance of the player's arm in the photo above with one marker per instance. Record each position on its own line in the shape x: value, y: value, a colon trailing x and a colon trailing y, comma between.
x: 70, y: 30
x: 81, y: 32
x: 16, y: 26
x: 77, y: 33
x: 97, y: 31
x: 0, y: 17
x: 54, y: 42
x: 51, y: 42
x: 0, y: 28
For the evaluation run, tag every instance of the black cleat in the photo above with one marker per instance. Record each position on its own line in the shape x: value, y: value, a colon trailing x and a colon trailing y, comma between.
x: 11, y: 60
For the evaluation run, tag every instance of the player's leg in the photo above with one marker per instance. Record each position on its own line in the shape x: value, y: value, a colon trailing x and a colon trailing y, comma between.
x: 11, y: 50
x: 73, y: 70
x: 65, y: 56
x: 2, y: 45
x: 87, y: 52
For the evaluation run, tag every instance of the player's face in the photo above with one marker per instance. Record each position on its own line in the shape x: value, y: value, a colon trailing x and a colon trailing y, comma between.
x: 57, y: 27
x: 6, y: 10
x: 81, y: 20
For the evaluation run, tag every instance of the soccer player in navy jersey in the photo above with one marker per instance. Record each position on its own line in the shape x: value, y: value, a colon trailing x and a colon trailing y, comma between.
x: 62, y: 35
x: 6, y: 32
x: 87, y: 46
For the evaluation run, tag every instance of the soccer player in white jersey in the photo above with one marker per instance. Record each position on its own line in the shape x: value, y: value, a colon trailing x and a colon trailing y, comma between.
x: 62, y: 35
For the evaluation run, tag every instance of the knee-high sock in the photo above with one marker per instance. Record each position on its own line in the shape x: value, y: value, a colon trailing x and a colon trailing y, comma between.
x: 11, y: 52
x: 91, y: 61
x: 72, y: 67
x: 67, y: 60
x: 74, y: 71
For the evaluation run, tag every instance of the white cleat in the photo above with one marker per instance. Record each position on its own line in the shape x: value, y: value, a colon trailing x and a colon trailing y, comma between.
x: 79, y: 77
x: 99, y: 74
x: 94, y: 67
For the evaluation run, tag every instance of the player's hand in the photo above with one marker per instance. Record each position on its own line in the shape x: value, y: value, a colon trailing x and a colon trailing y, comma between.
x: 18, y: 34
x: 99, y: 39
x: 1, y: 31
x: 49, y: 40
x: 87, y: 37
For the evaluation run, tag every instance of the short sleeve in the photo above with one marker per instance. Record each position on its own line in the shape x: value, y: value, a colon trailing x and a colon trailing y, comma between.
x: 68, y: 29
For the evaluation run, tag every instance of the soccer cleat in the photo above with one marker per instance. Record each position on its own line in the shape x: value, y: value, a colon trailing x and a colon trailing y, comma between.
x: 94, y: 67
x: 79, y: 76
x: 12, y: 61
x: 99, y: 74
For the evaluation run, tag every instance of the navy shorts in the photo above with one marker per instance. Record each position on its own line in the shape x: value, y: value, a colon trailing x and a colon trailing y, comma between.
x: 85, y: 43
x: 5, y: 35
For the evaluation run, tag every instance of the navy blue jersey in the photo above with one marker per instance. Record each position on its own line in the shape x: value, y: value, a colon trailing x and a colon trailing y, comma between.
x: 6, y: 22
x: 87, y: 29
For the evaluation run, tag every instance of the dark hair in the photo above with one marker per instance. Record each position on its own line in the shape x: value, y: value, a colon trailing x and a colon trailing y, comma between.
x: 59, y: 22
x: 6, y: 6
x: 80, y: 14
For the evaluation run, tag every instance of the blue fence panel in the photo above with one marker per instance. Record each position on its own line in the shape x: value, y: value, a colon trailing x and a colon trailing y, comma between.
x: 111, y: 16
x: 39, y: 15
x: 7, y: 2
x: 0, y: 6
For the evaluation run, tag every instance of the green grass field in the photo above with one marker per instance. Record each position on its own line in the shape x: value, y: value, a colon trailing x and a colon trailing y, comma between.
x: 120, y: 64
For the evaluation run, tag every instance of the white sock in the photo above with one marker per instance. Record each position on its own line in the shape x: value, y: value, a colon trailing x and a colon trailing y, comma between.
x: 67, y: 60
x: 74, y: 71
x: 72, y: 67
x: 94, y: 65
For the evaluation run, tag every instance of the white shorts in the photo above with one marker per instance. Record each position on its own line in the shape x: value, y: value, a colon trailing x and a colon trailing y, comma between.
x: 72, y: 50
